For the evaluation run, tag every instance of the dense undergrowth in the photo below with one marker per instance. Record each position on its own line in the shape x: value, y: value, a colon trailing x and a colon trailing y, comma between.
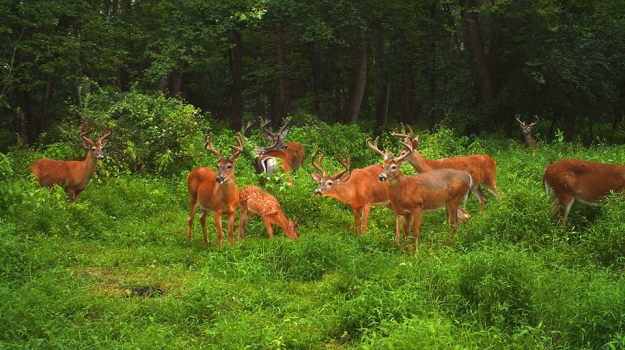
x: 115, y: 270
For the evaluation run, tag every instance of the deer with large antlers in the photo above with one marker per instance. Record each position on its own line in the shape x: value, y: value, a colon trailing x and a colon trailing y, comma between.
x: 573, y: 180
x: 291, y: 154
x: 359, y: 189
x: 215, y: 191
x: 253, y: 200
x: 530, y: 141
x: 483, y: 168
x: 73, y: 175
x: 429, y: 191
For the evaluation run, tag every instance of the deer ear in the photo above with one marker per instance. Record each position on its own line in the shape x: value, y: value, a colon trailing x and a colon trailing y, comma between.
x: 415, y: 142
x: 283, y: 133
x: 86, y: 143
x: 316, y: 177
x: 345, y: 177
x: 295, y: 223
x: 104, y: 142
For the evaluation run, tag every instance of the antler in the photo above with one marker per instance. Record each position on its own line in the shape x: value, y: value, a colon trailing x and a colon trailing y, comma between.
x: 403, y: 132
x: 237, y: 149
x: 374, y: 147
x: 537, y: 120
x: 208, y: 144
x: 249, y: 124
x: 285, y: 122
x: 346, y: 164
x: 407, y: 144
x: 517, y: 118
x: 107, y: 134
x: 83, y: 133
x: 317, y: 165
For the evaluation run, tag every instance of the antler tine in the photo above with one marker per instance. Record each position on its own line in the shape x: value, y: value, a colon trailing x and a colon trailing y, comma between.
x: 517, y: 118
x: 249, y: 124
x: 346, y: 164
x: 285, y: 122
x: 408, y: 146
x: 237, y: 149
x: 84, y: 133
x: 208, y: 145
x: 315, y: 164
x: 403, y: 132
x: 374, y: 147
x: 537, y: 120
x: 108, y: 133
x: 263, y: 126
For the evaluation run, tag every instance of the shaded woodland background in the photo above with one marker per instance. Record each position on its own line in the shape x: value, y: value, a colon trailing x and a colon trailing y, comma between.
x: 469, y: 64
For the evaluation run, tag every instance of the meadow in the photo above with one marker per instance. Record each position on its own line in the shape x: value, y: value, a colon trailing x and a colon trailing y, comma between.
x: 115, y: 270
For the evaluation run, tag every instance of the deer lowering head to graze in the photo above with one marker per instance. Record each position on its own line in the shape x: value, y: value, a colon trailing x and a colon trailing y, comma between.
x: 586, y: 182
x: 73, y: 175
x: 483, y: 168
x: 429, y: 191
x: 530, y: 141
x: 359, y: 189
x: 253, y: 200
x: 291, y: 154
x: 215, y: 191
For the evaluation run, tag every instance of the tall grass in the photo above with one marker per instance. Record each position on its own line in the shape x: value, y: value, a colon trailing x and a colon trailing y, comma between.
x: 115, y: 270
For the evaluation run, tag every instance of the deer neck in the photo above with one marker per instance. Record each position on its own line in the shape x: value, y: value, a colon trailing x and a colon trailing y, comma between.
x: 89, y: 165
x: 421, y: 163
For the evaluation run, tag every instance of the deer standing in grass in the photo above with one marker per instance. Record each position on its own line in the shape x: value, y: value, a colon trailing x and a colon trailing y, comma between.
x: 530, y: 141
x: 253, y: 200
x: 359, y: 189
x: 291, y: 154
x: 73, y: 175
x: 578, y: 180
x: 483, y: 168
x: 215, y: 191
x: 429, y: 191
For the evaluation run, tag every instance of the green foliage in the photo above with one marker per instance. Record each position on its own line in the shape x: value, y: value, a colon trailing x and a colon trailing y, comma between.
x: 72, y: 274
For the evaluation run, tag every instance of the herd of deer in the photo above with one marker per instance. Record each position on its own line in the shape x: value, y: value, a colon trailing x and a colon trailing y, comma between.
x: 440, y: 183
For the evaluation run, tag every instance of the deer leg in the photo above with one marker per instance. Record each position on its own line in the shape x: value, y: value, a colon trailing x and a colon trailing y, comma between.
x: 452, y: 207
x: 416, y: 225
x: 407, y: 218
x: 220, y: 230
x: 365, y: 218
x: 203, y: 224
x: 71, y: 195
x: 268, y: 226
x: 477, y: 191
x: 190, y: 220
x: 243, y: 225
x: 231, y: 218
x: 357, y: 214
x: 397, y: 219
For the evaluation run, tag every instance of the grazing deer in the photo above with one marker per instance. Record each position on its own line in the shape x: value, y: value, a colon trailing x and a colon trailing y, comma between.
x: 73, y: 175
x: 215, y: 191
x: 530, y: 141
x: 359, y: 189
x: 429, y: 191
x: 482, y: 168
x: 253, y: 200
x: 582, y: 181
x: 290, y: 154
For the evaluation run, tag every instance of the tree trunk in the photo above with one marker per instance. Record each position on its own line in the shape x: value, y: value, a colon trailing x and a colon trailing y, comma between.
x: 406, y: 94
x: 478, y: 55
x: 285, y: 90
x: 236, y: 67
x: 381, y: 106
x: 360, y: 79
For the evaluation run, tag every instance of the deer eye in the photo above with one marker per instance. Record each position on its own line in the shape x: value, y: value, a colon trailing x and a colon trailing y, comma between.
x: 329, y: 183
x: 229, y: 166
x: 393, y: 167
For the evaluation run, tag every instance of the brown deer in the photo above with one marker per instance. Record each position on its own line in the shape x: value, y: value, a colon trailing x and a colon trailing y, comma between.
x: 359, y: 189
x: 530, y: 141
x: 429, y: 191
x: 578, y: 180
x: 483, y: 168
x: 215, y: 191
x: 253, y: 200
x: 73, y: 175
x: 291, y: 154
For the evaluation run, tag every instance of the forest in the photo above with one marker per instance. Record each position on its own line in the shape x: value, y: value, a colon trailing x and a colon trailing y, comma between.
x: 160, y: 88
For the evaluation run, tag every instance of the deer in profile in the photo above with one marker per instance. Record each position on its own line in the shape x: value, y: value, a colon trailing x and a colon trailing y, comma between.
x: 291, y: 154
x: 73, y: 175
x: 253, y: 200
x: 359, y: 189
x: 573, y: 180
x: 530, y: 141
x: 482, y: 168
x: 428, y: 191
x: 215, y: 191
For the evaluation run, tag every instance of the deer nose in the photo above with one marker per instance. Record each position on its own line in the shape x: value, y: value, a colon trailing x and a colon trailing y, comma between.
x: 219, y: 179
x: 382, y: 177
x: 100, y: 156
x: 317, y: 192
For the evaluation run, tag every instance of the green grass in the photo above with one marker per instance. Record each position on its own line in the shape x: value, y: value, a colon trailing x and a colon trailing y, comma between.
x: 73, y: 275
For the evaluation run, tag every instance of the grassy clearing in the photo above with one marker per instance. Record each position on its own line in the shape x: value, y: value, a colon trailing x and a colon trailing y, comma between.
x: 116, y: 270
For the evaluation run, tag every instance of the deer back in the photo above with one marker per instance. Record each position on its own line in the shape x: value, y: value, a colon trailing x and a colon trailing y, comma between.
x: 585, y: 180
x: 253, y: 199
